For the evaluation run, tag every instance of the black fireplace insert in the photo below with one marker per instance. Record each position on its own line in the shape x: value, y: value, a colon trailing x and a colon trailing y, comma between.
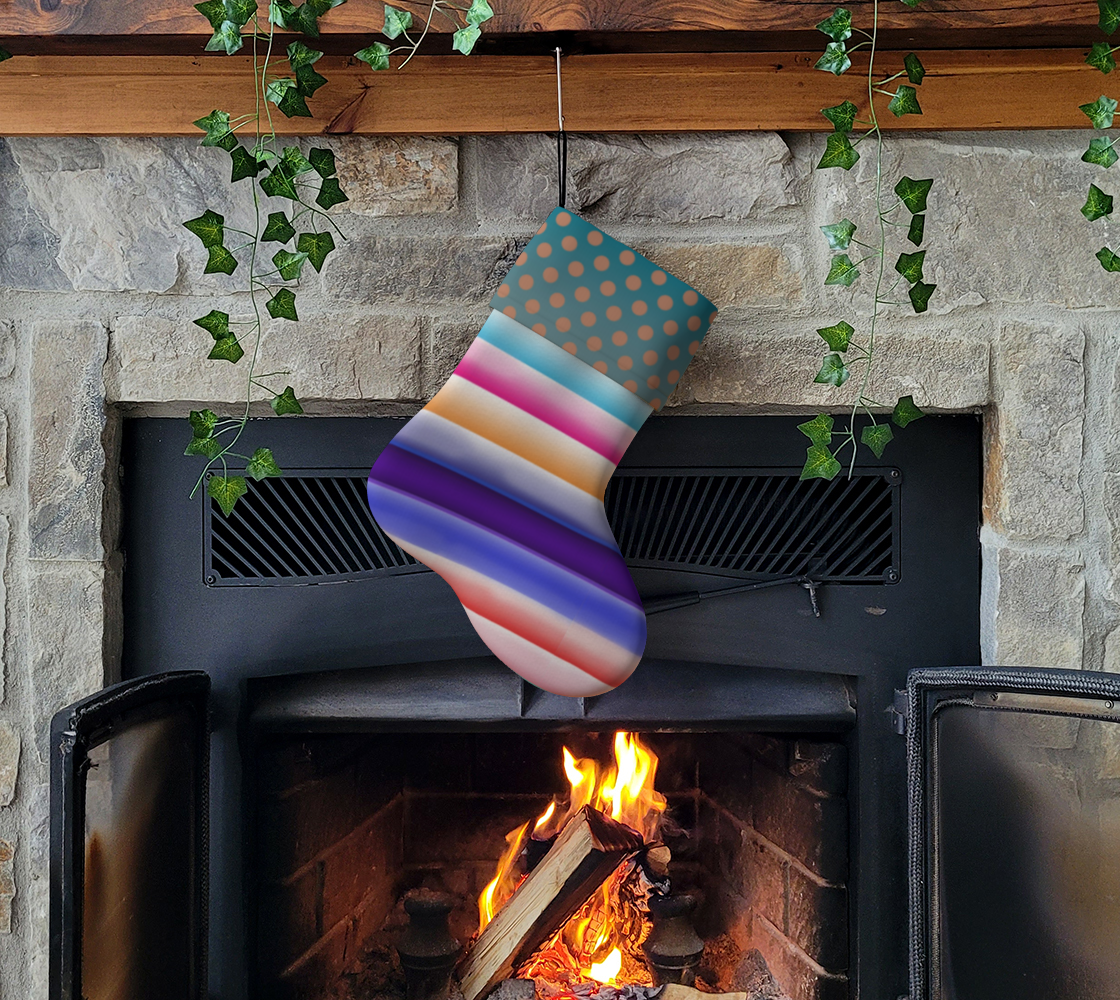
x: 363, y: 744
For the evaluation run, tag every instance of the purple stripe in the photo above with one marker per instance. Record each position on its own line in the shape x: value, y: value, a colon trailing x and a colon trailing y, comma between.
x: 468, y: 499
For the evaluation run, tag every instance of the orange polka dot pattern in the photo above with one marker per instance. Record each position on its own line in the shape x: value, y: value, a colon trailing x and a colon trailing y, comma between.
x: 606, y: 304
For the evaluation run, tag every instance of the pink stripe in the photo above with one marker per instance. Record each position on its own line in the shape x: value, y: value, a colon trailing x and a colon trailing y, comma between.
x: 495, y: 371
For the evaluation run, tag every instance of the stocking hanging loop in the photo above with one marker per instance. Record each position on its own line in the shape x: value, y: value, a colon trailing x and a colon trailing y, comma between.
x: 561, y: 139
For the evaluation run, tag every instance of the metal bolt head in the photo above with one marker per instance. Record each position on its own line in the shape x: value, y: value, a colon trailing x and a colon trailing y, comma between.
x: 210, y: 581
x: 892, y: 575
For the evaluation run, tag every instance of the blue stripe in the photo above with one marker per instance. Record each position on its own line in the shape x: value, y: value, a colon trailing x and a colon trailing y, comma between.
x: 406, y: 520
x: 516, y: 340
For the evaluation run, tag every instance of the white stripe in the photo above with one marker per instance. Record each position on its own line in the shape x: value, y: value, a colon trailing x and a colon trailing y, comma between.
x: 444, y: 441
x: 538, y: 667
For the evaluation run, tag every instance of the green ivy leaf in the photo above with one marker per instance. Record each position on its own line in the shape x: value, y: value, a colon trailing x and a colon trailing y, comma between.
x: 283, y: 14
x: 839, y: 336
x: 215, y: 323
x: 905, y: 412
x: 835, y: 59
x: 819, y: 429
x: 917, y: 230
x: 214, y: 11
x: 292, y: 102
x: 919, y: 296
x: 1100, y: 151
x: 842, y: 116
x: 376, y: 56
x: 463, y: 40
x: 397, y: 22
x: 278, y: 230
x: 221, y: 261
x: 279, y: 185
x: 209, y: 448
x: 4, y: 54
x: 330, y: 194
x: 307, y: 19
x: 909, y: 265
x: 819, y: 463
x: 316, y: 246
x: 294, y: 163
x: 262, y: 465
x: 838, y: 26
x: 1100, y: 112
x: 904, y: 102
x: 1098, y: 204
x: 227, y: 490
x: 838, y: 152
x: 203, y: 423
x: 216, y: 127
x: 841, y: 271
x: 308, y: 80
x: 244, y: 165
x: 282, y: 305
x: 322, y: 160
x: 839, y: 234
x: 240, y: 12
x: 911, y: 3
x: 301, y: 55
x: 208, y: 227
x: 915, y: 71
x: 913, y: 193
x: 1110, y: 15
x: 286, y: 403
x: 833, y: 371
x: 479, y: 12
x: 1100, y: 57
x: 226, y: 38
x: 1109, y: 260
x: 877, y: 437
x: 289, y: 264
x: 226, y: 349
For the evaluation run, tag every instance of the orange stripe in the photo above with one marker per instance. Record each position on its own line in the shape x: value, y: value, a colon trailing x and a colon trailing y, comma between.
x: 503, y: 424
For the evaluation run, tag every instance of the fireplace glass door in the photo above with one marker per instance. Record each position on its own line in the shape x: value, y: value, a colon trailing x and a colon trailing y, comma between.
x: 1016, y: 835
x: 128, y: 892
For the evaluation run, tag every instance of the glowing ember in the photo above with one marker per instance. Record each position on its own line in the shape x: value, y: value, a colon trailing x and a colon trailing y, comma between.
x: 602, y: 942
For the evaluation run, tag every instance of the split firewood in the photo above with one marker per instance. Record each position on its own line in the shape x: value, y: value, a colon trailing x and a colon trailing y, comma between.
x: 675, y: 991
x: 658, y: 858
x: 585, y: 855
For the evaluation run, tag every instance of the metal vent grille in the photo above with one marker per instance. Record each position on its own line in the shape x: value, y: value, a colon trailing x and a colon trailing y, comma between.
x: 313, y: 526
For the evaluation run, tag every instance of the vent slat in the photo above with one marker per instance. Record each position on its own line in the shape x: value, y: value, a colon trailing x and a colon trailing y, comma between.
x: 316, y: 527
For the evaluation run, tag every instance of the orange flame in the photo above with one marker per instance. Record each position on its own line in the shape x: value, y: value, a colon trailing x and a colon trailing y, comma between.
x: 602, y: 941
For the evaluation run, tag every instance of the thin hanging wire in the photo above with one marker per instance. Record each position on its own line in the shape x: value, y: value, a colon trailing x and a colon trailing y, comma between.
x: 561, y: 138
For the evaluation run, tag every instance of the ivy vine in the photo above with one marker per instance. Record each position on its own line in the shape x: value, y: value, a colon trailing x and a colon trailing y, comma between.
x: 1102, y: 151
x: 850, y: 352
x: 304, y: 232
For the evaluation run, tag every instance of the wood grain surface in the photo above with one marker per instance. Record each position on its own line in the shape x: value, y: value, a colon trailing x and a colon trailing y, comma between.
x: 151, y: 95
x: 173, y: 26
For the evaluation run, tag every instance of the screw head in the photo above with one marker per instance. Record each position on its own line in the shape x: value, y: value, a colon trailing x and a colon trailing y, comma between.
x: 209, y: 581
x: 892, y: 575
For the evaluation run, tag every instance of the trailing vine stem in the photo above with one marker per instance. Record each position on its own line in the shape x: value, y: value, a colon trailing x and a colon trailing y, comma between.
x: 1101, y: 112
x: 826, y: 443
x: 288, y: 174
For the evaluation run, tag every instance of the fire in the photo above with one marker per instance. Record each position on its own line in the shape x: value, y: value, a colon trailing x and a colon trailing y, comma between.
x: 602, y: 942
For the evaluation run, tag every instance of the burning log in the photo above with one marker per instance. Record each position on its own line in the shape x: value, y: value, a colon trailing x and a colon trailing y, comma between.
x: 584, y: 856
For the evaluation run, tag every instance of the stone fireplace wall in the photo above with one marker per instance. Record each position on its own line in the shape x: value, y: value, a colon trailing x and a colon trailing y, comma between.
x: 99, y: 283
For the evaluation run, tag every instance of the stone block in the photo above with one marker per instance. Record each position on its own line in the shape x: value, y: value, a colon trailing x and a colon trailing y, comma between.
x: 817, y: 919
x: 7, y: 884
x: 65, y: 615
x: 7, y: 348
x: 396, y: 269
x: 751, y: 275
x: 994, y: 193
x: 339, y: 358
x: 3, y: 448
x: 813, y: 829
x: 742, y: 362
x: 67, y: 459
x: 27, y: 247
x: 9, y: 762
x: 1032, y: 486
x: 797, y: 974
x: 115, y: 207
x: 444, y: 347
x: 396, y: 175
x: 1112, y: 651
x: 1039, y: 608
x: 686, y: 177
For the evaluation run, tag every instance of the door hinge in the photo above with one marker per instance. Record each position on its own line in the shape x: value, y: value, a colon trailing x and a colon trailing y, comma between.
x: 900, y: 712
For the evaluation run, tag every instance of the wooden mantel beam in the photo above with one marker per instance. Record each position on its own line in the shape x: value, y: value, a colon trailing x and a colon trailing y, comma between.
x: 162, y: 95
x: 165, y: 27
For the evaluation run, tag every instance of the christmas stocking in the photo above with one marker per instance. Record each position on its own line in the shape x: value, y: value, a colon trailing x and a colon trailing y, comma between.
x: 497, y: 484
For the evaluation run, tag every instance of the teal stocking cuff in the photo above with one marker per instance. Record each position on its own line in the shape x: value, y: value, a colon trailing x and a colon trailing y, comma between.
x: 606, y: 304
